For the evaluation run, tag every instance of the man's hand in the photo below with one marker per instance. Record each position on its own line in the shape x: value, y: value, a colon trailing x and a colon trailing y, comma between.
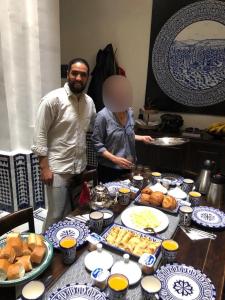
x: 47, y: 176
x: 122, y: 162
x: 147, y: 139
x: 46, y: 173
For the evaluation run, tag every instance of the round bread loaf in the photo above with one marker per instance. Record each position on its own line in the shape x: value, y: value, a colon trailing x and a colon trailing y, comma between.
x: 145, y: 198
x: 169, y: 202
x: 156, y: 198
x: 146, y: 190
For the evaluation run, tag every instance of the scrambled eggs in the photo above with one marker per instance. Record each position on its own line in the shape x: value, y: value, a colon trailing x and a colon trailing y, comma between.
x: 144, y: 219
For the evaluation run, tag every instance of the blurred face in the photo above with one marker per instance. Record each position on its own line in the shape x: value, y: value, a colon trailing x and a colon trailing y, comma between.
x: 77, y: 77
x: 117, y: 93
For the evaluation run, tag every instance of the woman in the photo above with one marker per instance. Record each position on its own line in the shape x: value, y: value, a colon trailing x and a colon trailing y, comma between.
x: 113, y: 135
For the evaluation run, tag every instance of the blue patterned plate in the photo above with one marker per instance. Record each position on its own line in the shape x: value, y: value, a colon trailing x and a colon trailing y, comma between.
x: 113, y: 187
x: 181, y: 282
x: 174, y: 178
x: 209, y: 217
x: 78, y: 291
x: 74, y: 228
x: 36, y: 271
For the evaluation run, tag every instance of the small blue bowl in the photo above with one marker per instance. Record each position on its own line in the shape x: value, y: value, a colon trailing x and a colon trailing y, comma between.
x: 108, y: 217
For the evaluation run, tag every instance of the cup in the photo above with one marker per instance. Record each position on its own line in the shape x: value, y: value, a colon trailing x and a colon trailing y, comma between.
x: 155, y: 177
x: 150, y: 287
x: 166, y: 183
x: 99, y: 277
x: 68, y: 247
x: 124, y: 196
x: 194, y: 198
x: 139, y: 169
x: 187, y: 185
x: 117, y: 286
x: 96, y: 221
x: 185, y: 213
x: 146, y: 262
x: 169, y: 251
x: 33, y: 290
x: 138, y: 181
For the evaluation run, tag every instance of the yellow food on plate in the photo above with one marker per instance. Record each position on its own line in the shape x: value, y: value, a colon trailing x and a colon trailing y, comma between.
x: 131, y: 241
x: 144, y: 218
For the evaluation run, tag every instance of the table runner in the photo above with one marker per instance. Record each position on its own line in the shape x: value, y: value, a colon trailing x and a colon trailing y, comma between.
x: 77, y: 273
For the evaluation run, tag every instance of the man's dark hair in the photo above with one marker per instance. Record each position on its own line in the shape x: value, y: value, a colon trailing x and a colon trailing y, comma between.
x: 76, y: 60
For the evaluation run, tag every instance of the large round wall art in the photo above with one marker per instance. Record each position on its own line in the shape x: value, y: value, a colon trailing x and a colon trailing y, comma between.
x: 188, y: 57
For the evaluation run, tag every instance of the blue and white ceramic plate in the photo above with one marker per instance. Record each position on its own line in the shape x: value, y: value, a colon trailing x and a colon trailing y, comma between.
x: 113, y: 187
x: 79, y: 292
x: 37, y: 269
x: 174, y: 178
x: 209, y: 217
x: 181, y: 282
x: 136, y: 233
x: 174, y: 211
x: 74, y: 228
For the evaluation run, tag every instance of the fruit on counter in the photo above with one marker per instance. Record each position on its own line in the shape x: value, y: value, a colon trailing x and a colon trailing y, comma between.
x: 217, y: 128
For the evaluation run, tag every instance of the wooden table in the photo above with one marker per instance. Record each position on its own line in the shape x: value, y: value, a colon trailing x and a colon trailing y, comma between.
x: 206, y: 255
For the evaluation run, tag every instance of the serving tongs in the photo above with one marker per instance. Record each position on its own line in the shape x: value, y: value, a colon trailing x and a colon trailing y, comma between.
x: 150, y: 230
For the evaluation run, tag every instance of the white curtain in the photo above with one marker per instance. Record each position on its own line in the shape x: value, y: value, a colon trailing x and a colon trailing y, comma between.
x: 29, y: 66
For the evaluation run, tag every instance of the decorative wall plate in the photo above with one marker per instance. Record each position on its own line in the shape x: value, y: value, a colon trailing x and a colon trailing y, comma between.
x: 74, y: 228
x: 181, y: 282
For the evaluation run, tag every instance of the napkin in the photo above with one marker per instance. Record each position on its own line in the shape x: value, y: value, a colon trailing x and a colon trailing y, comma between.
x: 85, y: 196
x: 193, y: 235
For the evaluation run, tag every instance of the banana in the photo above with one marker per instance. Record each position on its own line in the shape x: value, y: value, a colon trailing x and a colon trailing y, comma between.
x: 214, y: 125
x: 219, y: 128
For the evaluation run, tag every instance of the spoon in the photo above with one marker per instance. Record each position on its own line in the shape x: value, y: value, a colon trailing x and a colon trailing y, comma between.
x: 149, y: 230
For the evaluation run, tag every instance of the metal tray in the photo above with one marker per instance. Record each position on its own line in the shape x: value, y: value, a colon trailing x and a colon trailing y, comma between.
x: 150, y: 237
x: 169, y: 141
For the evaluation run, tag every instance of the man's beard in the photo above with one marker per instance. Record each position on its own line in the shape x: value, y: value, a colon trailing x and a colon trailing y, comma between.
x: 77, y: 87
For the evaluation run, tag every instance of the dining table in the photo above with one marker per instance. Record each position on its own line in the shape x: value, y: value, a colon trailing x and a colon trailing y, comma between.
x: 206, y: 255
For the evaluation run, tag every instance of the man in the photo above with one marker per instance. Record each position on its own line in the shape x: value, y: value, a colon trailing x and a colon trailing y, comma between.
x: 64, y: 116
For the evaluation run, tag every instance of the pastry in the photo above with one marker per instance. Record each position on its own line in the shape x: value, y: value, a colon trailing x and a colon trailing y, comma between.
x: 25, y: 261
x: 145, y: 198
x: 15, y: 271
x: 146, y: 190
x: 4, y: 265
x: 17, y: 244
x: 169, y: 202
x: 37, y: 254
x: 156, y: 198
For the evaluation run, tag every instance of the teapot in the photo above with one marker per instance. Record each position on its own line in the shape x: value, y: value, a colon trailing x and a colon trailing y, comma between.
x: 203, y: 181
x: 100, y: 197
x: 216, y: 192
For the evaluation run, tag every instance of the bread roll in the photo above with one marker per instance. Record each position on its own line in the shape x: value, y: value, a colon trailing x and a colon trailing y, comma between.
x: 169, y: 202
x: 39, y: 240
x: 31, y: 240
x: 17, y: 244
x: 12, y: 235
x: 15, y: 271
x: 146, y: 190
x: 156, y: 198
x: 145, y: 198
x: 37, y: 254
x: 25, y: 249
x: 4, y: 265
x: 25, y: 261
x: 8, y: 253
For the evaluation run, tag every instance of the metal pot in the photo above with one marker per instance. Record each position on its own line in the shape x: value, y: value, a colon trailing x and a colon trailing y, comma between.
x: 100, y: 197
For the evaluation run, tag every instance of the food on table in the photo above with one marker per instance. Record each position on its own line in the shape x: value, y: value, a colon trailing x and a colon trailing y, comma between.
x: 124, y: 190
x: 148, y: 197
x: 18, y: 255
x: 147, y: 191
x: 169, y: 202
x: 131, y: 241
x: 143, y: 219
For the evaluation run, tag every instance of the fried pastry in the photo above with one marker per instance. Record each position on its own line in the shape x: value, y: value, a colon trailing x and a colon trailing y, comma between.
x: 169, y: 202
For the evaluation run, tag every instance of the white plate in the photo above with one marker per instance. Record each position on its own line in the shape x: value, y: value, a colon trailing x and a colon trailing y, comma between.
x: 126, y: 218
x: 209, y: 217
x: 97, y: 259
x: 131, y: 270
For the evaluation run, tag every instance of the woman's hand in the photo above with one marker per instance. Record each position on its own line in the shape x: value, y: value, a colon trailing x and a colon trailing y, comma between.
x: 144, y: 138
x: 47, y: 176
x: 122, y: 162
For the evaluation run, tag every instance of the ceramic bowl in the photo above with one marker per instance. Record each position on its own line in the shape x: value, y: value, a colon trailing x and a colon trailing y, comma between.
x: 108, y: 217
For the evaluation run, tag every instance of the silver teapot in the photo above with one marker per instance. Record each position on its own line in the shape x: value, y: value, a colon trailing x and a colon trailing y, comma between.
x: 100, y: 197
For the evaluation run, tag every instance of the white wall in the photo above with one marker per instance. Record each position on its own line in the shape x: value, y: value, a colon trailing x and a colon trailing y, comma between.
x: 87, y: 26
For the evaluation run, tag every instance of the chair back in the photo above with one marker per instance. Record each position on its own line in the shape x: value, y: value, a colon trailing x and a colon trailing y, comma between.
x: 17, y: 218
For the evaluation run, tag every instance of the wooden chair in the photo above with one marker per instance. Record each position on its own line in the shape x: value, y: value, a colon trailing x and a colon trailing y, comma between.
x: 7, y: 223
x: 17, y: 218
